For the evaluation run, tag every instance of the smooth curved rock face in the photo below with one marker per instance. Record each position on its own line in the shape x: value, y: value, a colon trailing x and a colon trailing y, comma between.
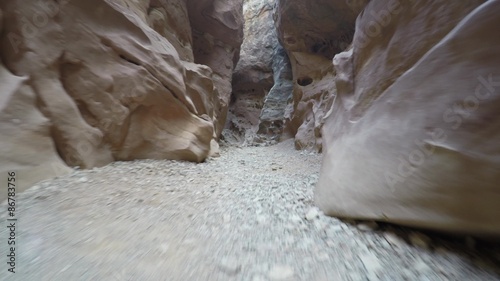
x: 26, y: 142
x: 217, y: 37
x: 312, y: 32
x: 170, y: 19
x: 96, y: 81
x: 413, y: 134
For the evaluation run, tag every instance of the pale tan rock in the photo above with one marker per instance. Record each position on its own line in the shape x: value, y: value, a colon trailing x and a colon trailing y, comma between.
x: 412, y: 137
x: 170, y: 19
x: 214, y: 149
x: 27, y: 151
x: 115, y: 80
x: 26, y: 146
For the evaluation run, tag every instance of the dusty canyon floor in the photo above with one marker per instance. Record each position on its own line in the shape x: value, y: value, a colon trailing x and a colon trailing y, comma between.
x: 248, y: 215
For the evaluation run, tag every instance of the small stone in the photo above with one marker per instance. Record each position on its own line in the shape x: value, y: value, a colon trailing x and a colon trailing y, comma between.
x: 65, y: 268
x: 323, y: 256
x: 319, y: 225
x: 164, y: 248
x: 189, y: 241
x: 372, y: 265
x: 259, y: 278
x: 281, y: 272
x: 261, y: 219
x: 335, y: 228
x: 420, y: 240
x: 83, y: 180
x: 421, y: 267
x: 295, y: 219
x: 312, y: 214
x: 230, y: 266
x: 368, y: 226
x: 393, y: 239
x: 227, y: 218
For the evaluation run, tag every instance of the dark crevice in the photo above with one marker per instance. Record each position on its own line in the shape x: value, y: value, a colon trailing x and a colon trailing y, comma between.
x: 128, y: 60
x: 304, y: 81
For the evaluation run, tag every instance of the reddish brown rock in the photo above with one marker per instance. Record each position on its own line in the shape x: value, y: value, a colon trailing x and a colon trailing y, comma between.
x: 413, y: 135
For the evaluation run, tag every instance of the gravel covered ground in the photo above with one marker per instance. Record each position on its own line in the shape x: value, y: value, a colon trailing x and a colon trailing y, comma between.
x: 247, y: 215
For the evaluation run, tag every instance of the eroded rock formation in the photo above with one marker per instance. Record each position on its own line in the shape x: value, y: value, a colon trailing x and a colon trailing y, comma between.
x: 85, y: 83
x: 413, y: 137
x: 312, y: 32
x: 272, y: 116
x: 261, y: 81
x: 218, y: 34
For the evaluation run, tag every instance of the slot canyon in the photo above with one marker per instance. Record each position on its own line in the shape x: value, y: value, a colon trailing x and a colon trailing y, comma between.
x: 252, y: 140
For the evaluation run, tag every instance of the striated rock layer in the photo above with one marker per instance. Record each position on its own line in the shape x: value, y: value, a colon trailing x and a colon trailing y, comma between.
x: 85, y: 83
x: 413, y: 136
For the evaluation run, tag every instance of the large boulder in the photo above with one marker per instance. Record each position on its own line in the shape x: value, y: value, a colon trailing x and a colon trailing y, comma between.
x: 90, y: 82
x: 413, y: 136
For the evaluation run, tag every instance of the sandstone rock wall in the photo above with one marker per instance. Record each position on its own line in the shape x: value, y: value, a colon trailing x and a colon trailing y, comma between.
x: 278, y: 99
x: 255, y: 108
x: 312, y: 32
x: 89, y: 82
x: 217, y: 35
x: 413, y: 137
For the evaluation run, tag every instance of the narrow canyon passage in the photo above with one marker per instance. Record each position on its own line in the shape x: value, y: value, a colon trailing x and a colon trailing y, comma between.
x: 248, y: 215
x: 276, y: 127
